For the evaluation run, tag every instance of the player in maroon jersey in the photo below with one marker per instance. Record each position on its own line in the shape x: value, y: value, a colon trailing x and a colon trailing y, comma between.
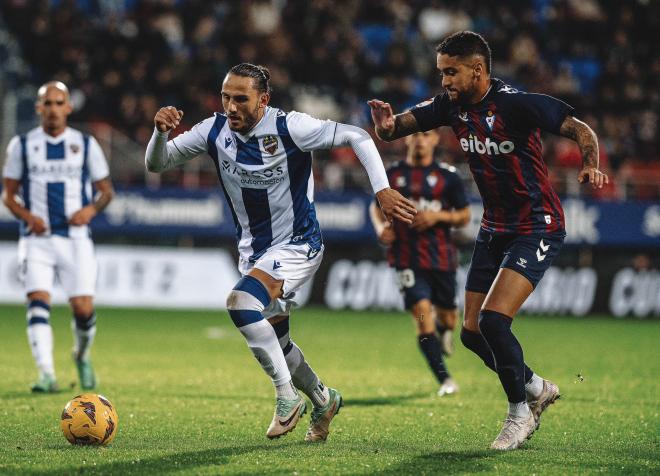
x: 522, y: 228
x: 422, y: 253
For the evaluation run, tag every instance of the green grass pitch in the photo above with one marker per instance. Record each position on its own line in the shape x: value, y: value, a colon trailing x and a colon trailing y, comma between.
x: 192, y: 399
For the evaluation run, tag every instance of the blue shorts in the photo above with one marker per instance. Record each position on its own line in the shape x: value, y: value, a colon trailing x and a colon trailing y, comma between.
x: 529, y: 255
x: 439, y: 287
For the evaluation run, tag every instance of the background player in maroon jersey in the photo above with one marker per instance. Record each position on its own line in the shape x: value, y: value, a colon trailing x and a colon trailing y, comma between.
x: 422, y: 253
x: 522, y: 228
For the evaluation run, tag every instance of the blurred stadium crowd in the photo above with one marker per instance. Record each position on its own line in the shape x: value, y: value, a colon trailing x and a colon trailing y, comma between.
x: 124, y: 59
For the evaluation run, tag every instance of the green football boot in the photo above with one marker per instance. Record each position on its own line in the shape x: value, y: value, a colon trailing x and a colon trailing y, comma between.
x: 85, y: 373
x: 287, y: 414
x: 322, y: 416
x: 45, y: 384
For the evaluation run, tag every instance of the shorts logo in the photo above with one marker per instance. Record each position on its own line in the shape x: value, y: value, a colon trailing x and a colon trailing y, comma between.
x: 542, y: 247
x: 270, y: 144
x: 276, y: 264
x: 522, y: 262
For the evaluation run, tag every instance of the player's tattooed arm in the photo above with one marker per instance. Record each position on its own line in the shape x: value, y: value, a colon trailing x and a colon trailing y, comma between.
x: 587, y: 141
x: 388, y: 126
x: 104, y: 195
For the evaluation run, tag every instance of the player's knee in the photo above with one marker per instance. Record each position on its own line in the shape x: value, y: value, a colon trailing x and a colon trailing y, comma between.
x: 250, y: 294
x: 247, y: 300
x: 492, y: 322
x: 82, y: 308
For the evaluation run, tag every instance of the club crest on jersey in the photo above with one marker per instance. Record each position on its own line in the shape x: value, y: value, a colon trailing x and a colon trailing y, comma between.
x: 74, y: 148
x: 432, y: 180
x: 270, y: 144
x: 401, y: 181
x: 490, y: 119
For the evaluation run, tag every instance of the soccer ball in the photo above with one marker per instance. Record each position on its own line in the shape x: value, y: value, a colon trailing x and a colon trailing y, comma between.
x: 89, y: 419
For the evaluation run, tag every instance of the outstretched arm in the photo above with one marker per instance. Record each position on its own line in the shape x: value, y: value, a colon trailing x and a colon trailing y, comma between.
x: 392, y: 203
x: 163, y: 154
x: 587, y: 141
x: 388, y: 126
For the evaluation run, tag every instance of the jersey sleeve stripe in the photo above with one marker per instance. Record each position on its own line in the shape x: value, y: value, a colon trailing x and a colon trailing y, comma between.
x: 84, y: 176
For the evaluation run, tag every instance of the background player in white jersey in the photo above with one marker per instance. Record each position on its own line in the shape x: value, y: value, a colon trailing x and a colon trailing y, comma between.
x: 47, y: 184
x: 263, y: 159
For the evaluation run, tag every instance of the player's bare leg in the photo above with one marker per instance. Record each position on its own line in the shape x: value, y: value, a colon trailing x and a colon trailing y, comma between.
x: 40, y: 338
x: 83, y: 327
x: 423, y: 314
x: 326, y: 401
x: 446, y: 320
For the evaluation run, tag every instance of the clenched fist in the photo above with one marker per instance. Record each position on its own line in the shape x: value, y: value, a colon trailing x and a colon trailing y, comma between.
x: 167, y: 118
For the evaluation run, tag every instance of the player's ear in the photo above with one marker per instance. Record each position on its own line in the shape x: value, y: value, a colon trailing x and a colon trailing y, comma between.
x: 264, y: 99
x: 478, y: 69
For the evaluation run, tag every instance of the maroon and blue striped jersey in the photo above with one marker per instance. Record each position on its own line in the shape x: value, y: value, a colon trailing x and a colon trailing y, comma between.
x: 501, y: 137
x: 432, y: 188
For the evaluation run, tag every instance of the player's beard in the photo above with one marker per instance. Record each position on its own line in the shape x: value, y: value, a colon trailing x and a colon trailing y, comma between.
x: 250, y: 121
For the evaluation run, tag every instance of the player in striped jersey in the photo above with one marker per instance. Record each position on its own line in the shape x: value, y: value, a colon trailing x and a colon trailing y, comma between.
x: 264, y: 163
x: 47, y: 184
x: 522, y: 228
x: 423, y: 254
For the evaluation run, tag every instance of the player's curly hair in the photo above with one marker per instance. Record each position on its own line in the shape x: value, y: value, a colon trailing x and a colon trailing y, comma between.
x: 466, y: 43
x: 259, y: 73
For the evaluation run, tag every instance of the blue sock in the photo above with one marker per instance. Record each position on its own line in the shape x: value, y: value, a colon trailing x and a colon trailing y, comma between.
x: 507, y: 352
x: 430, y: 347
x: 477, y: 344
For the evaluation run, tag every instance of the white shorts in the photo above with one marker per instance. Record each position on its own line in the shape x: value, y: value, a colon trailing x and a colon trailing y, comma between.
x: 293, y: 264
x: 70, y: 260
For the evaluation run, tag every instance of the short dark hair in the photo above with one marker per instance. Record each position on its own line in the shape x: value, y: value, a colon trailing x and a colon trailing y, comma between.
x: 466, y: 43
x: 259, y: 73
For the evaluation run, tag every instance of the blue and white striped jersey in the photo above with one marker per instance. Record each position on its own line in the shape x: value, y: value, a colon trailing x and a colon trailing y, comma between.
x: 266, y: 175
x: 56, y: 175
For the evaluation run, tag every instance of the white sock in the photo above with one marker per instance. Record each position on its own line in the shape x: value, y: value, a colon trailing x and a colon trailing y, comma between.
x: 84, y: 331
x: 262, y: 341
x: 40, y: 338
x: 305, y: 378
x: 286, y: 390
x: 535, y: 386
x: 519, y: 410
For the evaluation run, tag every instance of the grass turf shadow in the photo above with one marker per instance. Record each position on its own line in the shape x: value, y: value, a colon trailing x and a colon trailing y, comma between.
x: 446, y: 462
x: 171, y: 463
x: 385, y: 400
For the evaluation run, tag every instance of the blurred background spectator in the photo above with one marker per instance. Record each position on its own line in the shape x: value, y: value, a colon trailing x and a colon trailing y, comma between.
x: 124, y: 59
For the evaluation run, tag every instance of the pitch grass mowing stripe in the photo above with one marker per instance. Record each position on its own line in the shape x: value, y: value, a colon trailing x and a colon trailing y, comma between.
x: 190, y: 404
